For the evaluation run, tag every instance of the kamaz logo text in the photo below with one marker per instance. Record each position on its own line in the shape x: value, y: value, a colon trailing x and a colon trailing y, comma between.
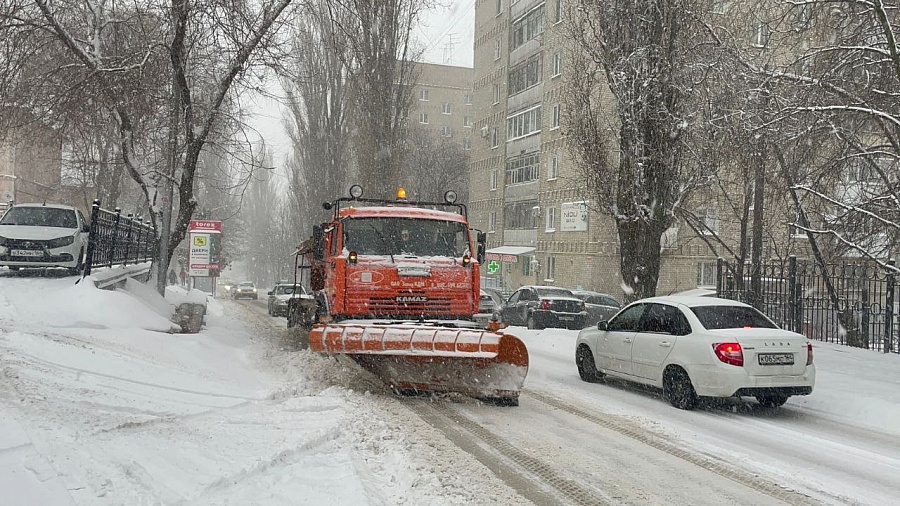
x: 412, y: 298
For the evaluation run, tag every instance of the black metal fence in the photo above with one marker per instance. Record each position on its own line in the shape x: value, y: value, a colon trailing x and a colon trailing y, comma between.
x: 115, y: 239
x: 794, y: 293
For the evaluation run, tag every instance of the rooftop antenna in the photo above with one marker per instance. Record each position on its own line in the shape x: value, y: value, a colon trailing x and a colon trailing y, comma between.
x: 448, y: 50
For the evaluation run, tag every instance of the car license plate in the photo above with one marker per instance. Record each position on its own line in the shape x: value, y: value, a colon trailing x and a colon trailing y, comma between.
x: 567, y: 318
x: 776, y: 358
x: 26, y: 253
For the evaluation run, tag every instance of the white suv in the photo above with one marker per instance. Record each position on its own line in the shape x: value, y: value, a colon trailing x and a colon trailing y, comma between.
x: 43, y: 235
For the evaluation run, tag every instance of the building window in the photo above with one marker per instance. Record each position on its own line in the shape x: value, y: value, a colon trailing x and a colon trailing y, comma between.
x: 527, y: 27
x: 446, y: 131
x: 423, y: 95
x: 467, y: 121
x: 554, y: 117
x: 523, y: 169
x: 498, y: 47
x: 525, y: 76
x: 557, y: 11
x: 761, y: 35
x: 553, y: 173
x: 709, y: 217
x: 720, y: 6
x: 496, y: 94
x: 495, y: 179
x: 551, y: 219
x: 467, y: 99
x: 445, y: 108
x: 557, y: 65
x: 706, y: 273
x: 524, y: 123
x: 527, y: 269
x: 550, y: 269
x: 495, y: 137
x: 492, y: 225
x: 797, y: 231
x: 423, y: 118
x: 499, y: 7
x: 467, y: 143
x: 520, y: 215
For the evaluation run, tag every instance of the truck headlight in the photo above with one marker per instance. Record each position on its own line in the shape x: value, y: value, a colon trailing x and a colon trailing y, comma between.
x: 59, y: 242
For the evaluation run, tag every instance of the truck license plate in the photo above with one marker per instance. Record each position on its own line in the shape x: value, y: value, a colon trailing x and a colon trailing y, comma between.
x: 776, y: 358
x: 26, y: 253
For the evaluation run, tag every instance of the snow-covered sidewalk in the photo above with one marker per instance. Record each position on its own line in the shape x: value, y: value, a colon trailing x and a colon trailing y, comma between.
x: 100, y: 405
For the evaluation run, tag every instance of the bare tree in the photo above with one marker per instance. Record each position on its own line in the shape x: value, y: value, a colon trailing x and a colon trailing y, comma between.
x: 382, y: 71
x: 154, y: 69
x: 630, y: 120
x: 435, y: 164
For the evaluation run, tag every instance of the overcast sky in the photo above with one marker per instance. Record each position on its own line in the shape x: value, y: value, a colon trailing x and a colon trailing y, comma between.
x: 446, y: 33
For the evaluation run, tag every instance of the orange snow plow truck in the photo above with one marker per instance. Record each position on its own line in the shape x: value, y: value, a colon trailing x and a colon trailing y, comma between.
x: 396, y: 284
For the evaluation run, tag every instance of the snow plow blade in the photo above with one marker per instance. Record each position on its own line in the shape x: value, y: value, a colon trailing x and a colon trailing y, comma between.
x: 414, y: 358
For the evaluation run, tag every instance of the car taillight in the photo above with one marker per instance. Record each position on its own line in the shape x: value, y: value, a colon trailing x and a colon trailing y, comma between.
x: 809, y: 354
x: 730, y: 353
x: 545, y: 305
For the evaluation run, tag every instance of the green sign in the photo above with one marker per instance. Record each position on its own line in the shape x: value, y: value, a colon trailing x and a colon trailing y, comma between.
x: 493, y: 266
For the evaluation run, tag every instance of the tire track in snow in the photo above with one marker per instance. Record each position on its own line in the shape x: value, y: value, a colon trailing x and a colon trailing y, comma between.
x: 528, y: 475
x: 646, y: 437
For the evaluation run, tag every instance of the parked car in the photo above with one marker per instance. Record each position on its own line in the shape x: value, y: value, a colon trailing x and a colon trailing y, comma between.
x: 489, y: 303
x: 281, y: 293
x: 244, y: 290
x: 694, y: 347
x: 538, y: 307
x: 600, y: 306
x: 43, y: 235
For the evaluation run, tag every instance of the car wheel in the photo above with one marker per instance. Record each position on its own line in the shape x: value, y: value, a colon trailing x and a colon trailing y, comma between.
x: 678, y: 389
x: 772, y: 401
x: 79, y: 267
x: 587, y: 368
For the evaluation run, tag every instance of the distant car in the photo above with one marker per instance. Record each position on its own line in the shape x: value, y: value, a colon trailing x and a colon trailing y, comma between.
x: 489, y: 303
x: 244, y: 290
x: 600, y: 306
x: 227, y: 285
x: 693, y: 347
x: 43, y: 235
x: 280, y: 294
x: 538, y: 307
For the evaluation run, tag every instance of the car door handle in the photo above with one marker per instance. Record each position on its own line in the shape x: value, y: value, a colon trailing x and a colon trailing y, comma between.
x: 665, y: 344
x: 627, y: 340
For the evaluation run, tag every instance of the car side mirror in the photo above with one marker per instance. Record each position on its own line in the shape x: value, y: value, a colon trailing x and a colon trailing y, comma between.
x: 271, y: 293
x: 603, y: 325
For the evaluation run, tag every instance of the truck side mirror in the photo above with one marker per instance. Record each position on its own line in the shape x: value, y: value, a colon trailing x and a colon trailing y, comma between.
x: 480, y: 246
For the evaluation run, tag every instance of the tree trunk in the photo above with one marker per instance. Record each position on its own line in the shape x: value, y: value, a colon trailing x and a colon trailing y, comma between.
x: 639, y: 258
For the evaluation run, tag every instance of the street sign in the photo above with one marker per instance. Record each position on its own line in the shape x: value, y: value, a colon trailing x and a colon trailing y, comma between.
x: 493, y: 266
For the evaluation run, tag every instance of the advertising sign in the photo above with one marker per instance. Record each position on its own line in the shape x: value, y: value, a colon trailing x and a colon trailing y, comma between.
x: 574, y: 217
x: 205, y: 244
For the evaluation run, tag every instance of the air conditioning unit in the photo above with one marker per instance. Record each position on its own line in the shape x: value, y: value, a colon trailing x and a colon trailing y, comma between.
x: 484, y: 131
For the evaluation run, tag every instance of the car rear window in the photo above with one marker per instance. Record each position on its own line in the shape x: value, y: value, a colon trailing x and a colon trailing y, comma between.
x: 731, y: 317
x: 553, y: 292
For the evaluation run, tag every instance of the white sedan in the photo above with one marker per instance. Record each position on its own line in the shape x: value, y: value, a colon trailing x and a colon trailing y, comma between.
x: 693, y: 347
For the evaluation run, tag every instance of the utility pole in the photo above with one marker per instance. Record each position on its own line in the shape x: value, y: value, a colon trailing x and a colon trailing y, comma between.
x: 759, y: 183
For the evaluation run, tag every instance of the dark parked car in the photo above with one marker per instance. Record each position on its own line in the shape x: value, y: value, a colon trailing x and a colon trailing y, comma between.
x: 600, y: 306
x: 280, y: 294
x: 538, y: 307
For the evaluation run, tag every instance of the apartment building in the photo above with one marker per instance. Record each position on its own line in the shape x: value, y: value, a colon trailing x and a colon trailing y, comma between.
x: 525, y: 190
x: 30, y: 164
x: 442, y: 102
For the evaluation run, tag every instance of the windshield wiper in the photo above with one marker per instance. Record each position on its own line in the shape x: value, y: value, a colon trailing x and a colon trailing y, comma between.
x: 384, y: 242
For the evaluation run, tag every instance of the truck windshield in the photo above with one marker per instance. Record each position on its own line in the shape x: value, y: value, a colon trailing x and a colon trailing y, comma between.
x: 405, y: 236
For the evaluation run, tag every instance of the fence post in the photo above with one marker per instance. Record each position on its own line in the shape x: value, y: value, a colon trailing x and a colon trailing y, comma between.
x: 720, y: 269
x: 864, y: 313
x: 792, y: 294
x: 889, y: 307
x: 92, y: 239
x: 128, y: 237
x: 139, y: 252
x: 115, y: 239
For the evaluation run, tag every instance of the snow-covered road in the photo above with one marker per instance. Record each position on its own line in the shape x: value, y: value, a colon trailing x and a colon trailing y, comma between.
x: 99, y: 407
